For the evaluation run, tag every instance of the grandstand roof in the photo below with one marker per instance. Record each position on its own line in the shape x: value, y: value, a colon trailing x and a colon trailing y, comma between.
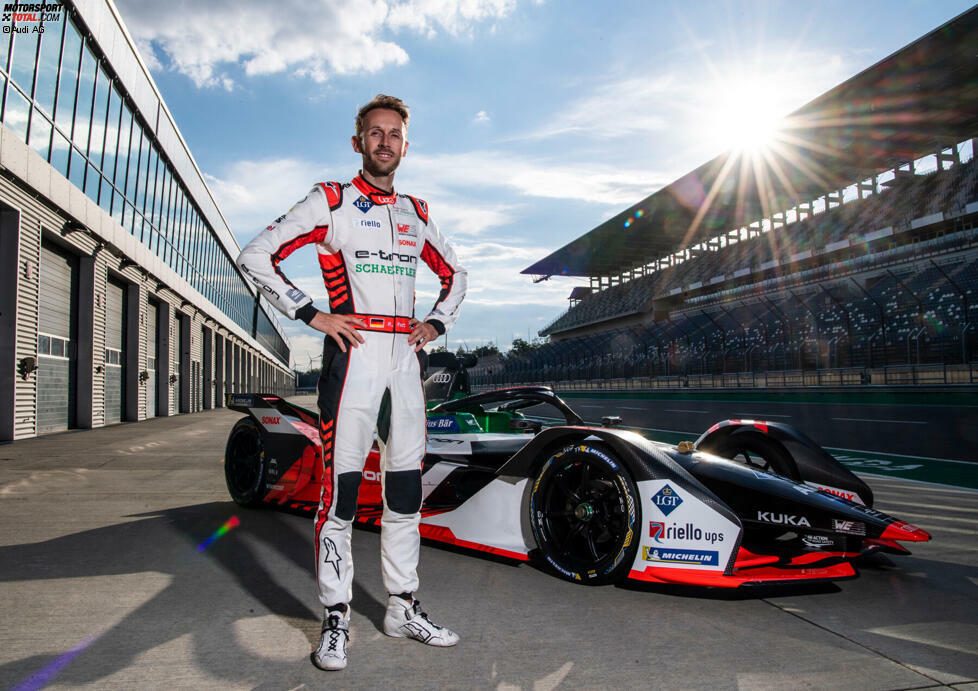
x: 915, y: 102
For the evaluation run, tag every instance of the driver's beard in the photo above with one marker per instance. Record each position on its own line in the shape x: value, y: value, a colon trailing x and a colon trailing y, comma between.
x: 376, y: 169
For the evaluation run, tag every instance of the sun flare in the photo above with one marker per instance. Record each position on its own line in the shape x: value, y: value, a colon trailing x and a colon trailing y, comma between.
x: 744, y: 116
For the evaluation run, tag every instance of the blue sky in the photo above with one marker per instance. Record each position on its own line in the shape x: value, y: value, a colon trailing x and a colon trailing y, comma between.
x: 532, y: 122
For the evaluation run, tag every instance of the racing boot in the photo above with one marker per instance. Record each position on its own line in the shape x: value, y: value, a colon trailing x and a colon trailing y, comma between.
x: 405, y: 619
x: 331, y: 653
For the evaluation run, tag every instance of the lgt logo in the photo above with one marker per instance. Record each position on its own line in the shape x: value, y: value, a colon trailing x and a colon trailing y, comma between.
x: 667, y: 500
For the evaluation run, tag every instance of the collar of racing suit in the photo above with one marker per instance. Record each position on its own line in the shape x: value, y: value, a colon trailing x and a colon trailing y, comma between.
x: 374, y: 193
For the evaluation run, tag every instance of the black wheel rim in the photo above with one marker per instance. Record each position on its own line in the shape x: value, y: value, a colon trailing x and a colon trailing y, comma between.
x: 584, y: 514
x: 243, y: 461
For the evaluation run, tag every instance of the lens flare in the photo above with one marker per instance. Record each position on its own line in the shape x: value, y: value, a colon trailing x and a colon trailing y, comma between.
x: 232, y: 522
x: 45, y: 676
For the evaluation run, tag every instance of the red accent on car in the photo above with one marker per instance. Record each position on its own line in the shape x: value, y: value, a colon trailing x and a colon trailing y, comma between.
x: 747, y: 559
x: 814, y: 557
x: 444, y: 534
x: 901, y: 530
x: 761, y: 426
x: 763, y: 574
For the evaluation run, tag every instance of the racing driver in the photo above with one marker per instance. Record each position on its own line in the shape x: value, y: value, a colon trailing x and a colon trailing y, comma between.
x: 370, y: 240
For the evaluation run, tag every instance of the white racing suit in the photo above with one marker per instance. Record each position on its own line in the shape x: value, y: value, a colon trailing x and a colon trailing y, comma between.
x: 370, y: 243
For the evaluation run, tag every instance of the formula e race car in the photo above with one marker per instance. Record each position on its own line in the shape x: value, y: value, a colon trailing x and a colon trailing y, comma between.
x: 749, y: 503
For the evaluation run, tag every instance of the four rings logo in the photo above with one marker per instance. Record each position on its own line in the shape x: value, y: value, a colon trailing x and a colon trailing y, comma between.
x: 442, y: 378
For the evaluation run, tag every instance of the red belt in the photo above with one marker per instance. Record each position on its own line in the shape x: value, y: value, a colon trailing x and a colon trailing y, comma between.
x: 383, y: 323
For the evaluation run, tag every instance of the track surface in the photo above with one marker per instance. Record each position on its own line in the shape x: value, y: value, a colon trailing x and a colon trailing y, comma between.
x: 933, y: 431
x: 103, y: 584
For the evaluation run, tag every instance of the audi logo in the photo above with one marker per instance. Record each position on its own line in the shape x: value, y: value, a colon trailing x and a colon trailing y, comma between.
x: 442, y: 378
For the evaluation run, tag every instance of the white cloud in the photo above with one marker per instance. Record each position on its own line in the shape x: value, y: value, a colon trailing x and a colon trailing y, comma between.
x: 452, y: 16
x: 482, y: 117
x: 604, y: 183
x: 252, y: 194
x: 612, y: 109
x: 310, y: 40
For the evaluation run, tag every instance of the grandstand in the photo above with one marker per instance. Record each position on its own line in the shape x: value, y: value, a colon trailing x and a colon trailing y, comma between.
x: 846, y: 254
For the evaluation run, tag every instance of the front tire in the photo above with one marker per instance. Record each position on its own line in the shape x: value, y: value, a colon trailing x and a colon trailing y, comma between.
x: 244, y: 464
x: 585, y: 513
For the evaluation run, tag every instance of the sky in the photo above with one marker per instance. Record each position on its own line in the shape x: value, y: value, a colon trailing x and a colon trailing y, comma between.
x: 532, y: 121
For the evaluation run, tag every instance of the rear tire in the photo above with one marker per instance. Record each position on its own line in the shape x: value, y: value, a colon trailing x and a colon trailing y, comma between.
x: 244, y: 464
x: 585, y: 513
x: 756, y: 450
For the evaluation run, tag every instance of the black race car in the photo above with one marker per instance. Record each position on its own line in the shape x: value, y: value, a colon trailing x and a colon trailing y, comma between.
x: 750, y: 502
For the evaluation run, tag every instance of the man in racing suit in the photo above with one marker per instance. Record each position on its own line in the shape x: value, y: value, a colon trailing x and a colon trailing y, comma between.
x: 370, y: 241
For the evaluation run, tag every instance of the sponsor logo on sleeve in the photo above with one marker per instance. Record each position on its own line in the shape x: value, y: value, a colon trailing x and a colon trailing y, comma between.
x: 363, y: 204
x: 295, y: 295
x: 667, y: 500
x: 697, y: 557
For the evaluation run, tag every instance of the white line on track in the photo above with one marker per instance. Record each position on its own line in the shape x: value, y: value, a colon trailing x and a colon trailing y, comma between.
x: 901, y: 455
x: 862, y: 419
x: 625, y: 407
x: 684, y: 410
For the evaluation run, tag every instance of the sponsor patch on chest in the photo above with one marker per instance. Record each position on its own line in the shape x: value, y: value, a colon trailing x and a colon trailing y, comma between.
x: 363, y: 204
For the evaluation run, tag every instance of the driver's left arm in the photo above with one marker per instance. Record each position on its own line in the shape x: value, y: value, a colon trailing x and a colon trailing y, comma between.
x: 440, y: 257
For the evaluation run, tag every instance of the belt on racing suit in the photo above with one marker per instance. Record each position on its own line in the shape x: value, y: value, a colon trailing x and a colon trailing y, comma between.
x: 383, y: 323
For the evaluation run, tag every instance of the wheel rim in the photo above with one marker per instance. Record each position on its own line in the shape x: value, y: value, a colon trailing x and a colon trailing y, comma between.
x: 584, y: 514
x: 244, y: 461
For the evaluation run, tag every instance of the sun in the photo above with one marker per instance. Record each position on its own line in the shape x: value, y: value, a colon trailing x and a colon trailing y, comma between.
x: 744, y: 113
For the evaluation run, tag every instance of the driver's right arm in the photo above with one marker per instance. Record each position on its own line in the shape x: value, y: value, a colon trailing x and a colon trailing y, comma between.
x: 309, y: 221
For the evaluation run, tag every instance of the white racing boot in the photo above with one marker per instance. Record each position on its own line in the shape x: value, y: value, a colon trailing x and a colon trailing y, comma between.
x: 331, y: 653
x: 405, y: 619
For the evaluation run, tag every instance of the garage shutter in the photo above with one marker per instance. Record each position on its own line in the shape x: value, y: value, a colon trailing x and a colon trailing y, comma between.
x: 115, y: 356
x: 152, y: 353
x: 178, y: 385
x: 56, y: 374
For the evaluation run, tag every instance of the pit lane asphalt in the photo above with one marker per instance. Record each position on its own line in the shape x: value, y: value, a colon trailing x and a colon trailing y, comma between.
x: 103, y: 584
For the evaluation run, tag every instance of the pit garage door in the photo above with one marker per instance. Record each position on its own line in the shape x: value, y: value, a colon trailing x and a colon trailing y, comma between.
x: 152, y: 353
x: 115, y: 353
x: 56, y: 361
x: 177, y: 355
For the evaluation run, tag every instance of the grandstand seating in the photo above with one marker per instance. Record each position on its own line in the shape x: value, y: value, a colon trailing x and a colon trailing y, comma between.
x: 901, y: 201
x: 890, y: 279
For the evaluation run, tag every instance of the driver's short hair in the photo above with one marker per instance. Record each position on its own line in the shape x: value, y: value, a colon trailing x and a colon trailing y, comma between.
x: 382, y: 101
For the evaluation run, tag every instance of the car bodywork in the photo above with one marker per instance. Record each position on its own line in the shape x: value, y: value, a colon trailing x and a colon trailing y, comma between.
x: 595, y: 504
